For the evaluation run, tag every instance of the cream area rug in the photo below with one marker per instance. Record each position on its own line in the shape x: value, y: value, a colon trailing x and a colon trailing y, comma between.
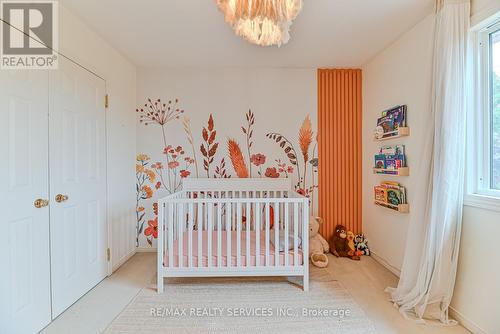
x: 246, y: 305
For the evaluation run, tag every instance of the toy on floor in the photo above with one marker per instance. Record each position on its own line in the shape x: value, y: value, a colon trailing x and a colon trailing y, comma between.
x: 361, y: 244
x: 351, y: 244
x: 318, y: 246
x: 339, y: 244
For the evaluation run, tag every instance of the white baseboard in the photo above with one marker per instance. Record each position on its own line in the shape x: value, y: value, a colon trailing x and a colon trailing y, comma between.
x: 124, y: 259
x: 468, y: 324
x: 146, y: 250
x: 386, y: 264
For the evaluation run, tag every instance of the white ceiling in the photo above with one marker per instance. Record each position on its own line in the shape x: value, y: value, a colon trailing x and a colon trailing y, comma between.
x: 192, y: 33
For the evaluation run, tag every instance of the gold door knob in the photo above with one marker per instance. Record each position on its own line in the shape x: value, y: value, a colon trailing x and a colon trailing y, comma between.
x: 61, y: 198
x: 40, y: 203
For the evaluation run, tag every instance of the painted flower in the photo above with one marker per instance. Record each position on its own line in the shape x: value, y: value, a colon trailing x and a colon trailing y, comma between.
x: 185, y: 173
x: 155, y: 208
x: 156, y: 112
x: 158, y: 185
x: 142, y: 157
x: 152, y: 228
x: 157, y: 165
x: 258, y: 159
x: 301, y: 191
x: 147, y: 191
x: 151, y: 175
x: 140, y: 209
x: 272, y: 172
x: 167, y: 149
x: 173, y: 164
x: 289, y: 169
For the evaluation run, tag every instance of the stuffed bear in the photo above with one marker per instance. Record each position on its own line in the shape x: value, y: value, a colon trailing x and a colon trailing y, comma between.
x: 339, y: 245
x: 318, y: 246
x: 361, y: 244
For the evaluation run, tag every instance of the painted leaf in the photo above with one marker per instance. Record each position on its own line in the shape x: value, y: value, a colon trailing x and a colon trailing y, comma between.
x: 212, y: 137
x: 210, y: 123
x: 213, y: 150
x: 203, y: 150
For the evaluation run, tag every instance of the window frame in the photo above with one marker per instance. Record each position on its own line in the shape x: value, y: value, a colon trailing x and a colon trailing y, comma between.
x: 479, y: 192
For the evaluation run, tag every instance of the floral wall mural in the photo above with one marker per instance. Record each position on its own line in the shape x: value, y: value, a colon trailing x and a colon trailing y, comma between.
x: 216, y: 145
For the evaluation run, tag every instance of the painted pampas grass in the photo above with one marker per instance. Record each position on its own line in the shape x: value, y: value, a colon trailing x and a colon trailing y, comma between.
x: 237, y: 159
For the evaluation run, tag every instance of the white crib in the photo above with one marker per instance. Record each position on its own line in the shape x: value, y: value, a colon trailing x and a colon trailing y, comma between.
x: 222, y: 227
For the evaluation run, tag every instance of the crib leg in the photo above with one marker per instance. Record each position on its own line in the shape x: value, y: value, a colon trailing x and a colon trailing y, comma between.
x: 159, y: 283
x: 305, y: 281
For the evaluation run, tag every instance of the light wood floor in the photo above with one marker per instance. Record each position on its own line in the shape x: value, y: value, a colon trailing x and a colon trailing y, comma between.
x: 365, y: 280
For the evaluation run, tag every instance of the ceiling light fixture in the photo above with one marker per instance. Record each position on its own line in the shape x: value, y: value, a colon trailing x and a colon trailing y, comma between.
x: 261, y: 22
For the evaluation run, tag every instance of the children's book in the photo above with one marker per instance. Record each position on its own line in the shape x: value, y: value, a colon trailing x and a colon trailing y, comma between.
x: 392, y: 119
x: 391, y: 157
x: 391, y: 193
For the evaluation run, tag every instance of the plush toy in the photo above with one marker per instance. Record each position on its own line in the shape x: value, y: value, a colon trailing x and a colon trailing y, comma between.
x: 339, y: 245
x: 361, y: 244
x: 318, y: 246
x: 350, y: 242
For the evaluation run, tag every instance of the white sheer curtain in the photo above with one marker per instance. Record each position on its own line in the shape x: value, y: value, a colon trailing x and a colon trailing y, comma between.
x: 430, y: 264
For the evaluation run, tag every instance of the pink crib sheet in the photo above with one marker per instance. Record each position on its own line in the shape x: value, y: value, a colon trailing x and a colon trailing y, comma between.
x: 204, y: 263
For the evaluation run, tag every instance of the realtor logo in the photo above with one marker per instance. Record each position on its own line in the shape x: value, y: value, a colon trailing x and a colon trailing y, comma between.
x: 29, y: 34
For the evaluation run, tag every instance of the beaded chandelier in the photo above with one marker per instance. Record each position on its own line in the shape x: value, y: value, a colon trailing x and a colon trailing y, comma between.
x: 261, y: 22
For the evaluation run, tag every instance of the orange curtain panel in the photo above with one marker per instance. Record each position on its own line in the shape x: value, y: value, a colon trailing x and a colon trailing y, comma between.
x: 339, y: 149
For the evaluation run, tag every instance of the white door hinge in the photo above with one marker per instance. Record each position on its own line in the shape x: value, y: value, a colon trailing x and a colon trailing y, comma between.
x: 108, y: 254
x: 106, y: 101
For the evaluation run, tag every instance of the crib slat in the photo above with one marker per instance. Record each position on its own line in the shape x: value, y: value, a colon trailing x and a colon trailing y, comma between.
x: 276, y: 234
x: 190, y: 236
x: 248, y: 228
x: 286, y: 213
x: 219, y: 235
x: 209, y: 232
x: 296, y: 234
x: 239, y: 222
x: 170, y: 233
x: 228, y: 233
x: 200, y: 229
x: 257, y: 234
x: 180, y: 223
x: 268, y: 224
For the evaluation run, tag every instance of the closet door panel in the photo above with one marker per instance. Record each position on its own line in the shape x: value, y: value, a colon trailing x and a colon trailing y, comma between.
x: 77, y: 170
x: 24, y: 245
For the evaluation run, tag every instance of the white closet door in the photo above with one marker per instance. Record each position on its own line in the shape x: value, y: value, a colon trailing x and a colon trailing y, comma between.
x: 77, y: 170
x: 24, y: 229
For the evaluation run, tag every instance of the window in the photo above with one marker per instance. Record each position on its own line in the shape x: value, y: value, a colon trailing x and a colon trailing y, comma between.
x: 494, y: 109
x: 484, y: 151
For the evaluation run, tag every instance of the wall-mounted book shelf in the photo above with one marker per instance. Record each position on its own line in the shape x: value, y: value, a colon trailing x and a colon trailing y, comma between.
x: 402, y: 171
x: 398, y: 133
x: 401, y: 208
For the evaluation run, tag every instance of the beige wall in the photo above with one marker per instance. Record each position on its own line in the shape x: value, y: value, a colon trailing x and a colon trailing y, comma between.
x: 401, y: 75
x: 81, y: 44
x: 483, y: 9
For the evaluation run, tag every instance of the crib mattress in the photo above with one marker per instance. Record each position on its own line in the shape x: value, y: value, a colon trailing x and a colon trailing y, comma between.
x: 261, y: 253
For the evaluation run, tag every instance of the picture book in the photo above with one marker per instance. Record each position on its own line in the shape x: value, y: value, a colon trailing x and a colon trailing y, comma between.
x: 390, y: 193
x: 391, y: 157
x: 390, y: 121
